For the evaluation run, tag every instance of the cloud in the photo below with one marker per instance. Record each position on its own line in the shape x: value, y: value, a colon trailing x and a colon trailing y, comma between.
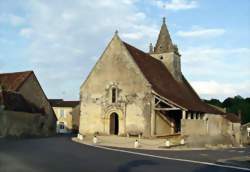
x: 214, y: 89
x: 26, y: 32
x: 140, y: 32
x: 65, y: 39
x: 225, y: 71
x: 201, y: 33
x: 177, y: 4
x: 210, y: 54
x: 12, y: 19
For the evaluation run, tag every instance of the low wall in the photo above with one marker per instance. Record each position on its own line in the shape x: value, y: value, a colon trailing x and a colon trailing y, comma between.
x: 21, y: 124
x: 211, y: 129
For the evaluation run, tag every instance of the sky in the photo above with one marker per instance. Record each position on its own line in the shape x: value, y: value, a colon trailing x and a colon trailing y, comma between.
x: 61, y: 40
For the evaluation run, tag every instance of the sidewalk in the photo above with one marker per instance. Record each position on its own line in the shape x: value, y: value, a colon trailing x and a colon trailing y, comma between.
x: 129, y: 142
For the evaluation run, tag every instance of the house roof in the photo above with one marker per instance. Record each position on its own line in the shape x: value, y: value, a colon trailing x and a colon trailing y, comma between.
x: 62, y: 103
x: 232, y: 117
x: 16, y: 102
x: 13, y: 81
x: 163, y: 83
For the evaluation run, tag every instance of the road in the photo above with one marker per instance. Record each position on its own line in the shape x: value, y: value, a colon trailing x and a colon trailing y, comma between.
x: 63, y: 155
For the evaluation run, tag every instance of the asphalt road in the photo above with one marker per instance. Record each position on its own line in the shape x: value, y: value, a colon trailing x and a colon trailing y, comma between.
x: 62, y: 155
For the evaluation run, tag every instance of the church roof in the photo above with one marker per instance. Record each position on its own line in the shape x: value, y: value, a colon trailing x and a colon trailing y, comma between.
x: 164, y: 43
x: 163, y: 83
x: 13, y: 81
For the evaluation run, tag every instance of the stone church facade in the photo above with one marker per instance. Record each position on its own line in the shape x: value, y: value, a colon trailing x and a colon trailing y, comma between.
x: 132, y: 92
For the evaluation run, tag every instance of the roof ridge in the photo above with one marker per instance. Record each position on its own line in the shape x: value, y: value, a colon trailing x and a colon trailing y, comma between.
x: 145, y: 54
x: 14, y: 80
x: 9, y: 73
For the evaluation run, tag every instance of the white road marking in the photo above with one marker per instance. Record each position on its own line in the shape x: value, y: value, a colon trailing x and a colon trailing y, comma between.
x: 168, y: 158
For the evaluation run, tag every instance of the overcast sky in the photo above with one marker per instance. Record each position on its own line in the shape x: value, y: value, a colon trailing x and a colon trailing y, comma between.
x: 61, y: 40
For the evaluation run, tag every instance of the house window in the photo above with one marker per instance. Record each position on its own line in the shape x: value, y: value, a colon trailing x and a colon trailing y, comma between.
x: 61, y: 125
x: 248, y: 131
x: 62, y: 112
x: 113, y: 95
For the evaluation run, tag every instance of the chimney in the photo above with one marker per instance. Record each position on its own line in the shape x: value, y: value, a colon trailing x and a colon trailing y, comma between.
x: 240, y: 115
x: 151, y: 48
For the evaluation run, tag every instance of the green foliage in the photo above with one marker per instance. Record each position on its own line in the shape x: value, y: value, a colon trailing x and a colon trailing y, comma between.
x: 214, y: 102
x: 235, y: 105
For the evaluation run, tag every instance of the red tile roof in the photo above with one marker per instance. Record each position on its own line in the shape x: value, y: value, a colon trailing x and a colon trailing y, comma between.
x: 163, y: 83
x: 13, y: 81
x: 232, y: 117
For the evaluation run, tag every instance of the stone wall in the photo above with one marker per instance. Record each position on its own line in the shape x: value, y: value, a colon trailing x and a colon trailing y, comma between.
x: 19, y: 124
x: 33, y: 92
x: 76, y: 118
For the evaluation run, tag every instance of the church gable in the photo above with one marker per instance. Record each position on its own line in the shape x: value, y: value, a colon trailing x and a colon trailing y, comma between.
x: 115, y: 65
x: 115, y: 90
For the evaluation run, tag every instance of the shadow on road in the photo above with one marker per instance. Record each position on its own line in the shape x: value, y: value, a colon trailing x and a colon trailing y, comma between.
x: 132, y: 164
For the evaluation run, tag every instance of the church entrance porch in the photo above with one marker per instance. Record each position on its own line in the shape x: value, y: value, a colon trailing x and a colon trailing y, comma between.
x: 114, y: 124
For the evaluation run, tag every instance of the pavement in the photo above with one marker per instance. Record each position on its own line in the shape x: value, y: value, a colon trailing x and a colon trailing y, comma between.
x: 62, y: 154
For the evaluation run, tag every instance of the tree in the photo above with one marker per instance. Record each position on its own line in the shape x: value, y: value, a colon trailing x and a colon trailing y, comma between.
x: 215, y: 102
x: 235, y: 105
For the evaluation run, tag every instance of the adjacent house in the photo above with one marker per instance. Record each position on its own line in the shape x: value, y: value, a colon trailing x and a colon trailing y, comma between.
x: 67, y: 113
x: 24, y: 107
x: 133, y: 92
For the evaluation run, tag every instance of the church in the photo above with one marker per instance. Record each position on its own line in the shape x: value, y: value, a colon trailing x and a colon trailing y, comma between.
x: 131, y: 92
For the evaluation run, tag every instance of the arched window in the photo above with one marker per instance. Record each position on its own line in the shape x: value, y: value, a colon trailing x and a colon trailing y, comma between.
x: 113, y: 95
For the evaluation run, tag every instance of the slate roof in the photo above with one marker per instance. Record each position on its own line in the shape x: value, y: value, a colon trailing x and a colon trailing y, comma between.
x: 62, y: 103
x: 13, y: 81
x: 163, y: 83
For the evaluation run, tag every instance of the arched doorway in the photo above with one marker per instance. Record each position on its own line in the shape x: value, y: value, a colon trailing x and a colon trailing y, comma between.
x: 114, y: 124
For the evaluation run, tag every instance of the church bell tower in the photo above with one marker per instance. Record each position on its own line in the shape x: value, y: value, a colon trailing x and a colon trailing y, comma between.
x: 167, y: 52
